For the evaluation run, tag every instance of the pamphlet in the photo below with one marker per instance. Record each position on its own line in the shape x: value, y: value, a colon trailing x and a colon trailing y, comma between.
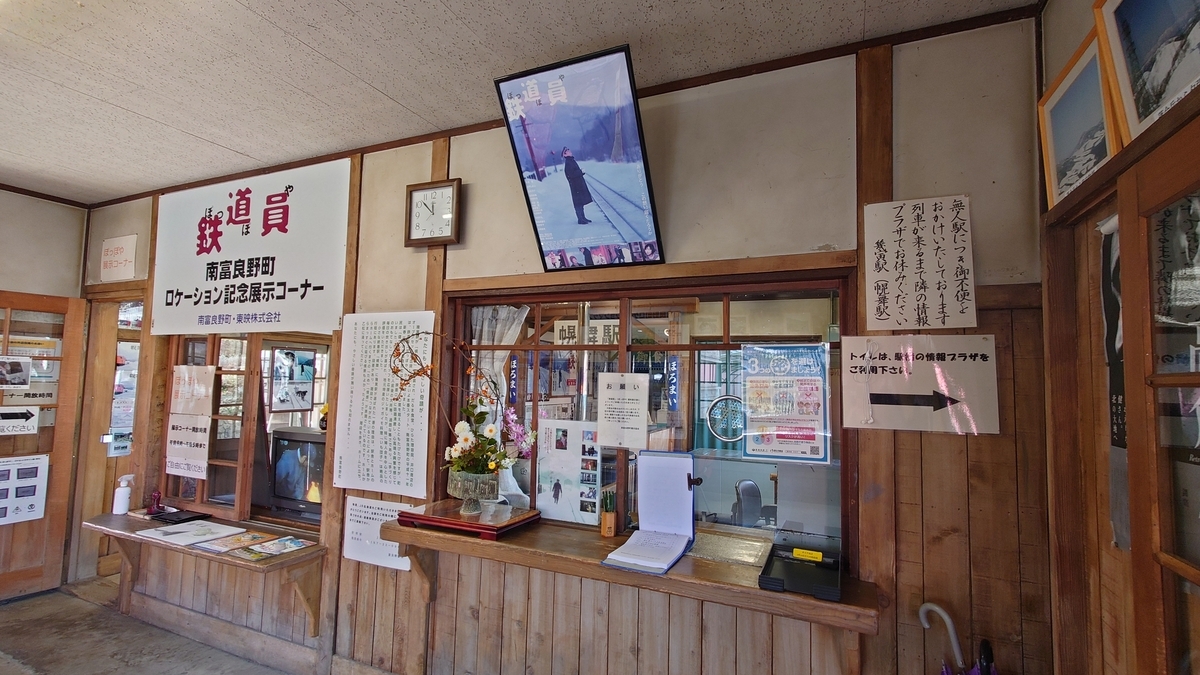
x: 194, y: 532
x: 236, y: 541
x: 281, y: 545
x: 247, y: 554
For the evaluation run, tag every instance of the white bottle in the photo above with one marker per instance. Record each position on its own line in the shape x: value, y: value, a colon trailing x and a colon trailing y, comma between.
x: 121, y: 495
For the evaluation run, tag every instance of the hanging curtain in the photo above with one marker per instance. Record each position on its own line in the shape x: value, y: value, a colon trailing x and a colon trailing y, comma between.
x: 496, y: 325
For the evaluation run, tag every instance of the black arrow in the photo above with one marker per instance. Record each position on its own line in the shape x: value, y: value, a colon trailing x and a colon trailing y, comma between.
x: 937, y: 400
x: 26, y: 415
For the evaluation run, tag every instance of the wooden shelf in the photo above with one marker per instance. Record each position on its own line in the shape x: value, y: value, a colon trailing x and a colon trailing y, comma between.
x: 569, y: 550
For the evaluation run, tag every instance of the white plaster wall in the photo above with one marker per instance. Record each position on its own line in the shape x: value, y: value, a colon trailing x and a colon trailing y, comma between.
x: 496, y: 233
x: 119, y: 220
x: 391, y: 277
x: 43, y: 246
x: 965, y: 122
x: 756, y: 166
x: 1064, y: 25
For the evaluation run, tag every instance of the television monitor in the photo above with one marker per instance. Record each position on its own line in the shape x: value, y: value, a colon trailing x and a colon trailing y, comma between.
x: 297, y: 471
x: 576, y: 135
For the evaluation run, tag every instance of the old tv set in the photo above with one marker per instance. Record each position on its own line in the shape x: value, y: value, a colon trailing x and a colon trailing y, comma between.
x: 297, y: 472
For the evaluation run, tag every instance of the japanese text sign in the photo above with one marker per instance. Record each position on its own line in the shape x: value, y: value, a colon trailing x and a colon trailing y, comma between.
x: 18, y: 420
x: 920, y: 383
x: 786, y: 392
x: 265, y: 253
x: 919, y: 266
x: 187, y: 445
x: 624, y: 405
x: 362, y: 542
x: 192, y: 389
x: 23, y: 482
x: 117, y: 257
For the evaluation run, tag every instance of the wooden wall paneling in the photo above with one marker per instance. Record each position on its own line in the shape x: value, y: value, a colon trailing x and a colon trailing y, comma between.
x: 791, y: 646
x: 1071, y: 621
x: 334, y: 633
x: 995, y: 543
x: 685, y: 639
x: 516, y: 616
x: 719, y: 645
x: 441, y: 655
x: 539, y: 647
x: 91, y: 454
x: 567, y: 633
x: 1032, y: 517
x: 187, y: 581
x: 255, y: 600
x: 466, y: 622
x: 654, y: 643
x: 347, y: 597
x: 384, y: 619
x: 623, y: 629
x: 364, y: 608
x: 174, y: 576
x: 491, y: 615
x: 877, y: 511
x: 150, y: 402
x: 593, y: 627
x: 910, y: 555
x: 829, y: 655
x: 754, y: 642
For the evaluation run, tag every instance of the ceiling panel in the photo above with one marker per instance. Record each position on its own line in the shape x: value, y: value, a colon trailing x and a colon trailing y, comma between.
x: 104, y: 98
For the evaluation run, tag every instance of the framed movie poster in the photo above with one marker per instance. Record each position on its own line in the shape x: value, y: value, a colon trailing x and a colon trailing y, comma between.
x: 1149, y: 48
x: 1078, y: 132
x: 292, y: 379
x: 576, y: 135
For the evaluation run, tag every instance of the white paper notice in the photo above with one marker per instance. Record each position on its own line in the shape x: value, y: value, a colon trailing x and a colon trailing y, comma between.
x: 23, y: 488
x: 920, y: 270
x: 192, y: 390
x: 18, y: 420
x: 362, y: 542
x: 117, y: 258
x: 920, y: 383
x: 624, y: 401
x: 383, y: 442
x: 187, y: 445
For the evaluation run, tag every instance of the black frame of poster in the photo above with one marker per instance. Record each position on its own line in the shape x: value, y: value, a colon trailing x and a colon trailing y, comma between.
x: 541, y: 70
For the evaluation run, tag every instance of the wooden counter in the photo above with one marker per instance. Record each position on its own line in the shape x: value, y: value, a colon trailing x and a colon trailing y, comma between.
x: 576, y: 551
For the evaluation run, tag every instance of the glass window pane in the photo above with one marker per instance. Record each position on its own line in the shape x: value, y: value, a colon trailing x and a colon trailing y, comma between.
x: 129, y: 315
x: 801, y: 316
x: 222, y: 484
x: 1179, y: 436
x: 37, y: 335
x: 227, y: 430
x: 676, y: 320
x: 38, y: 324
x: 232, y: 354
x: 1175, y: 285
x: 232, y: 388
x: 1187, y: 638
x: 195, y: 352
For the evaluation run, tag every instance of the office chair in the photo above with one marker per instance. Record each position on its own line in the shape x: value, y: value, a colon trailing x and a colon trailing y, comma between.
x: 748, y: 507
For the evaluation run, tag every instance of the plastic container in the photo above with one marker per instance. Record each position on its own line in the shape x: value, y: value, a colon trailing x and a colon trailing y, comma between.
x: 122, y: 494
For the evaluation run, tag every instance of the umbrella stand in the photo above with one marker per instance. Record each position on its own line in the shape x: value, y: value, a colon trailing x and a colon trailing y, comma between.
x: 923, y: 615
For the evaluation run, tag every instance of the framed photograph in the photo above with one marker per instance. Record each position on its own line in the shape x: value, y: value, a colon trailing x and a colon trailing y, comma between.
x: 292, y: 379
x: 1076, y: 124
x: 576, y: 136
x: 1150, y: 53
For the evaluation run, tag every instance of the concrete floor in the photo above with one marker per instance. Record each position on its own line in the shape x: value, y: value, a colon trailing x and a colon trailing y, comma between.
x: 76, y: 631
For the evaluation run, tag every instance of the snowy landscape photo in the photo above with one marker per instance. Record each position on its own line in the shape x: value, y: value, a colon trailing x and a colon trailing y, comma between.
x: 576, y: 137
x: 1156, y: 55
x: 1076, y: 131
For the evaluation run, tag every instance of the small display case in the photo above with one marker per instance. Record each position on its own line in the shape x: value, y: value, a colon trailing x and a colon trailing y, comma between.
x: 804, y: 563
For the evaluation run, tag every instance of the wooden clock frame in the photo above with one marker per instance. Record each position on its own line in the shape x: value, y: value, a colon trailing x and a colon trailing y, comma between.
x: 456, y: 203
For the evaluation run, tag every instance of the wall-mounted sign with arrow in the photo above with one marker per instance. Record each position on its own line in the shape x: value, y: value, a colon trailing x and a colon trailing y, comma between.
x: 15, y: 420
x: 920, y: 383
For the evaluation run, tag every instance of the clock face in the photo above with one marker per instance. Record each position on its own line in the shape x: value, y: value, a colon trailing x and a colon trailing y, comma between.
x: 432, y: 213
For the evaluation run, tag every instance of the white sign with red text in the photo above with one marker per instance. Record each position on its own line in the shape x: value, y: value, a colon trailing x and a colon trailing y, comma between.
x: 261, y: 254
x: 117, y: 258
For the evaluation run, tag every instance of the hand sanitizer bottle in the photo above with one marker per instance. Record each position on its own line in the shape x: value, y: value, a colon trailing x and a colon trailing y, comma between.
x: 121, y: 495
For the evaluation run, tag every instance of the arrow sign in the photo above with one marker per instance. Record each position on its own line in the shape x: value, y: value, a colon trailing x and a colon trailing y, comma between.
x: 937, y: 400
x: 24, y: 415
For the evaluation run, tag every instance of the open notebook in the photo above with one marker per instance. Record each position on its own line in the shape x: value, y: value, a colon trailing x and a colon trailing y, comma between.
x: 666, y: 527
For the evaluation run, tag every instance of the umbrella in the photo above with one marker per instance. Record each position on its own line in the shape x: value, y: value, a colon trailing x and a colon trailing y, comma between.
x: 986, y: 665
x: 923, y: 615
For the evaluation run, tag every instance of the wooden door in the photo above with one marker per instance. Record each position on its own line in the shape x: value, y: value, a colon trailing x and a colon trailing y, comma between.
x: 49, y: 330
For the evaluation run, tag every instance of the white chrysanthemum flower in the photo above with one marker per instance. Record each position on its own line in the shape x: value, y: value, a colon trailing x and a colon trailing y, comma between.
x: 455, y: 452
x: 465, y: 440
x: 491, y: 431
x: 447, y: 453
x: 461, y: 428
x: 507, y: 462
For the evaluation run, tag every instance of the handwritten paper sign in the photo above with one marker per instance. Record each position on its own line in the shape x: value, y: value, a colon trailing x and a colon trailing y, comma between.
x: 117, y: 258
x: 192, y: 390
x: 919, y: 267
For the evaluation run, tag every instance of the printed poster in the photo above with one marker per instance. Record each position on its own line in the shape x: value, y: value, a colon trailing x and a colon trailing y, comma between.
x: 15, y: 372
x: 125, y: 385
x: 265, y: 253
x: 187, y: 445
x: 292, y: 379
x: 362, y: 541
x: 383, y: 434
x: 569, y: 477
x: 786, y: 401
x: 623, y: 405
x: 920, y: 270
x: 38, y: 348
x: 920, y: 383
x: 23, y: 483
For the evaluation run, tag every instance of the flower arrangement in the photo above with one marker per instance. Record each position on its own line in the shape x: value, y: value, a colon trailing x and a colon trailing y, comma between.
x: 478, y: 446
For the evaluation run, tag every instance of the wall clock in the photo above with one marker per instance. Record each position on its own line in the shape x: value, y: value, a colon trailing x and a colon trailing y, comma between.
x: 431, y: 213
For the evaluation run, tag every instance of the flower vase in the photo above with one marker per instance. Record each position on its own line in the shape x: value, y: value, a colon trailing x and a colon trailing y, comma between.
x: 520, y: 471
x: 472, y: 487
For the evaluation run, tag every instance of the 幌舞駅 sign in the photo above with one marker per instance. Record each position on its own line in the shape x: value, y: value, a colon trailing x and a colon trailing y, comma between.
x: 919, y: 267
x: 265, y: 253
x: 920, y: 383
